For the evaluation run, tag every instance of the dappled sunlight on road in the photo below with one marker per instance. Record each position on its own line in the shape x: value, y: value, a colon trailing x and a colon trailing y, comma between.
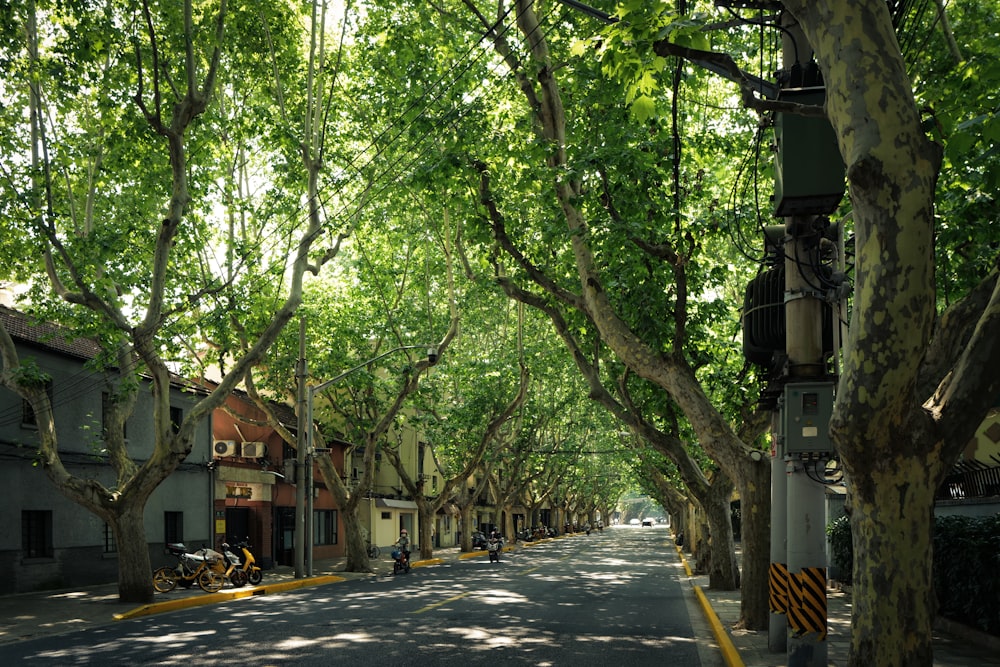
x: 292, y: 643
x: 346, y: 638
x: 497, y: 612
x: 497, y: 597
x: 111, y: 652
x: 178, y: 637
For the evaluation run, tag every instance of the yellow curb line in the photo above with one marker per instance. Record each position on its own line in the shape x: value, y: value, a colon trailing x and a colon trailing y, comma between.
x: 687, y: 568
x: 542, y: 540
x: 483, y: 552
x: 729, y: 651
x: 212, y: 598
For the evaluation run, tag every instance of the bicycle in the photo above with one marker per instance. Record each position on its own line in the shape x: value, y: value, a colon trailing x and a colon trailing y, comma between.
x: 374, y: 551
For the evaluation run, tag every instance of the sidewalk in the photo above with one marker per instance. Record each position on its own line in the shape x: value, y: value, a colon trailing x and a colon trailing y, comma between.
x: 954, y: 645
x: 33, y: 615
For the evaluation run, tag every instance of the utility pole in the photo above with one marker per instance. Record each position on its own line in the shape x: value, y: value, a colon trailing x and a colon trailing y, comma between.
x: 808, y: 403
x: 777, y: 584
x: 809, y: 182
x: 301, y: 456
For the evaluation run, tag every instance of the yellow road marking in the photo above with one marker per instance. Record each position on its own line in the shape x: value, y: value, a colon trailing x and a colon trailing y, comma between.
x: 538, y: 567
x: 467, y: 593
x: 443, y: 602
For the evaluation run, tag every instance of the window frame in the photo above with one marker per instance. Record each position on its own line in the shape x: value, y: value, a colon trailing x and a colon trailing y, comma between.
x: 173, y: 527
x: 110, y: 544
x: 36, y: 534
x: 325, y: 527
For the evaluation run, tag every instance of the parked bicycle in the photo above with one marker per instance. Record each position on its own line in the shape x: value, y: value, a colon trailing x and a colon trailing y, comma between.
x: 374, y: 551
x: 206, y: 567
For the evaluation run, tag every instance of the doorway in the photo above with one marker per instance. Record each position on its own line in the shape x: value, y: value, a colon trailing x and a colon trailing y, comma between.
x: 238, y: 522
x: 284, y: 538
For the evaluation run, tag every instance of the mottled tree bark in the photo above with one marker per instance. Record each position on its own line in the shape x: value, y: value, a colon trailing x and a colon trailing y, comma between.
x: 903, y: 410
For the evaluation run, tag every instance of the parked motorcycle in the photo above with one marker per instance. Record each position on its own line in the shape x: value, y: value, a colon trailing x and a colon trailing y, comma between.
x: 249, y: 564
x: 206, y: 567
x: 400, y: 561
x: 478, y: 540
x: 234, y: 570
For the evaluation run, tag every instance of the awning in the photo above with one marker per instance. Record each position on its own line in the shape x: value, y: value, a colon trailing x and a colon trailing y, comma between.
x: 395, y: 504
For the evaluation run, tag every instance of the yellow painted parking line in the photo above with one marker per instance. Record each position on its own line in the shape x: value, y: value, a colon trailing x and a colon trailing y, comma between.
x: 443, y: 602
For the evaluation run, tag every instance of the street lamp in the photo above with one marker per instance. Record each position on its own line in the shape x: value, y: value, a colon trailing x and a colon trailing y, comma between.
x: 304, y: 456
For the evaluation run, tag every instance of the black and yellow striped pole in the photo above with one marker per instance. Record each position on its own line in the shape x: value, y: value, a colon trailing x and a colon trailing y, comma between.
x: 807, y: 602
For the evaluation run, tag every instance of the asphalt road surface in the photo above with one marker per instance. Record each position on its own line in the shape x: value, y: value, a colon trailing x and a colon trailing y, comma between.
x: 612, y: 599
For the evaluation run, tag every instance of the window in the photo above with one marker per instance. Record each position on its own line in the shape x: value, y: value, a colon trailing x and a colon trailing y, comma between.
x: 386, y: 516
x: 324, y: 527
x: 110, y: 546
x: 28, y: 413
x: 36, y: 534
x: 173, y: 527
x: 176, y: 417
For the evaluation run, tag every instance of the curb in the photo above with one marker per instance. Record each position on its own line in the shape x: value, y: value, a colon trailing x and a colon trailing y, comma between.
x: 212, y: 598
x: 237, y: 594
x: 483, y: 552
x: 730, y: 654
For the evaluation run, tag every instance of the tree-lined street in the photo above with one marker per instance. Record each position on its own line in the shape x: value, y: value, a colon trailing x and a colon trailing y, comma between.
x: 615, y: 597
x: 571, y: 204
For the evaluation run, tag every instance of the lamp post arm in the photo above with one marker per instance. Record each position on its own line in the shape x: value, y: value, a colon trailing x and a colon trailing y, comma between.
x: 304, y: 457
x: 312, y: 391
x: 323, y: 385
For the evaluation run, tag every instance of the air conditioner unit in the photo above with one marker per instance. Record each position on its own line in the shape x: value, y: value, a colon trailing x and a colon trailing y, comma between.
x: 224, y: 448
x: 254, y: 450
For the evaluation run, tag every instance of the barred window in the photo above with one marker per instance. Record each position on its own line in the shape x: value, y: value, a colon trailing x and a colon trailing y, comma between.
x: 110, y: 546
x: 324, y: 527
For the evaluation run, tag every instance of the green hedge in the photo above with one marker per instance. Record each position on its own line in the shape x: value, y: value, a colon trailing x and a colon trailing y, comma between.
x: 967, y: 570
x: 841, y: 547
x: 966, y: 567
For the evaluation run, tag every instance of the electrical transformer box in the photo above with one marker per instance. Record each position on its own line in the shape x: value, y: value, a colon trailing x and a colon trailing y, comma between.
x: 809, y: 172
x: 807, y: 410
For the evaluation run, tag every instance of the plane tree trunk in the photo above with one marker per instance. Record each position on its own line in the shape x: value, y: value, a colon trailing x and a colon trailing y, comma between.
x: 914, y: 386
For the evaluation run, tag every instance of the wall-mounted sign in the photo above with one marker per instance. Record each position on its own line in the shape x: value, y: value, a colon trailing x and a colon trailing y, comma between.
x: 238, y: 490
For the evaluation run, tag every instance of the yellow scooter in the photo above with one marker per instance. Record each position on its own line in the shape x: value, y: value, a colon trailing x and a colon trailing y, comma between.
x: 254, y: 574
